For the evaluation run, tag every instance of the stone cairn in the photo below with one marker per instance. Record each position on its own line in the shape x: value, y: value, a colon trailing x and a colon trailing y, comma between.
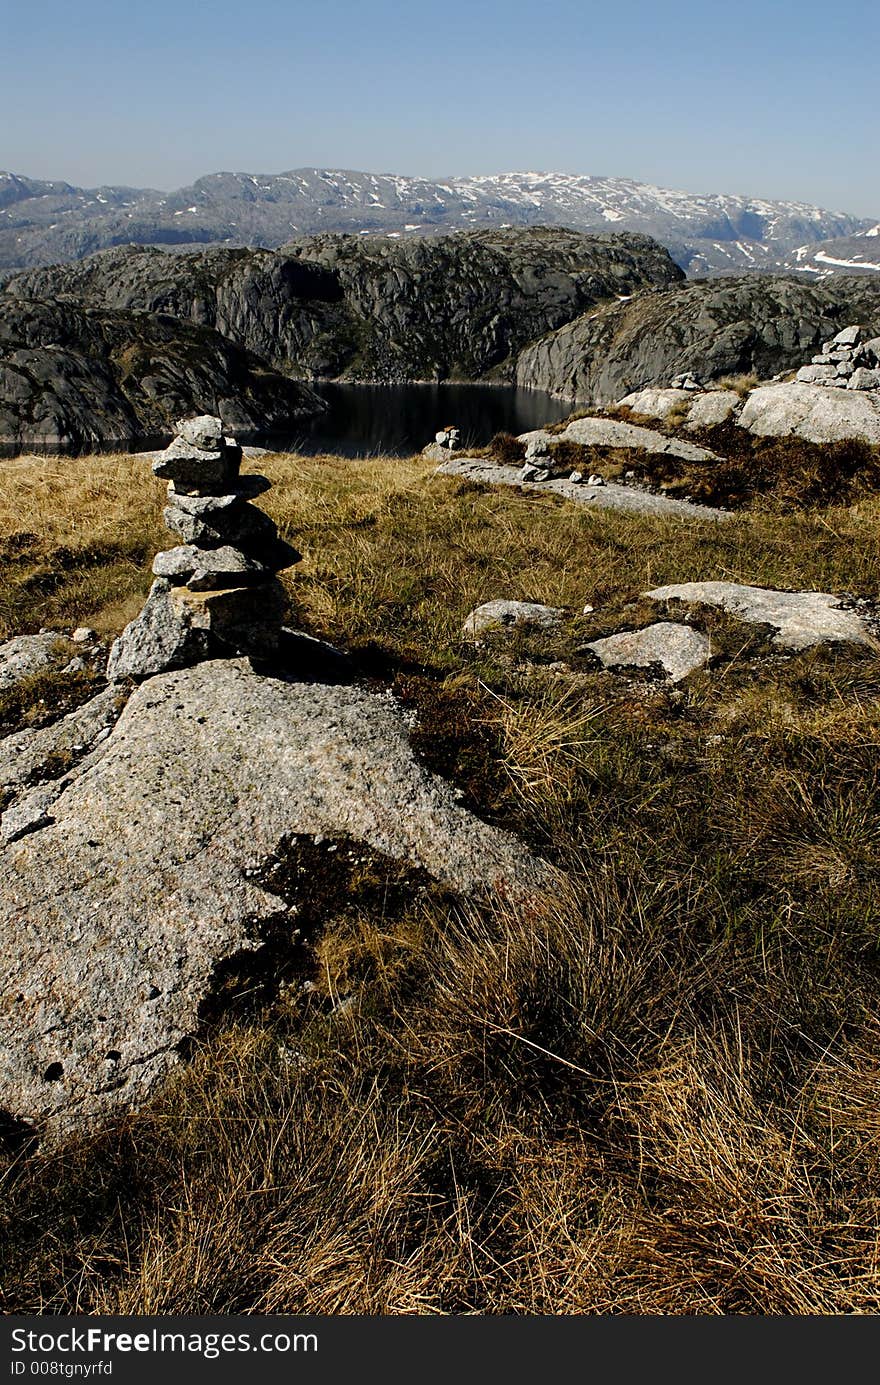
x: 845, y: 363
x: 686, y: 381
x: 217, y: 592
x: 446, y: 441
x: 540, y: 465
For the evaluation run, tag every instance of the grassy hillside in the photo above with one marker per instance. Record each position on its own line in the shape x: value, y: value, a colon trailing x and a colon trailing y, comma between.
x: 658, y: 1095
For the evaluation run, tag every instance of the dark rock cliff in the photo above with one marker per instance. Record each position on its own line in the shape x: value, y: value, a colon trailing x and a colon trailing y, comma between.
x: 70, y: 374
x: 456, y: 307
x: 762, y: 324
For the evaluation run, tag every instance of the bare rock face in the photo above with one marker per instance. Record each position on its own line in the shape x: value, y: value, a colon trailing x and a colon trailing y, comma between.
x: 761, y: 324
x: 146, y: 876
x: 677, y: 649
x: 71, y: 374
x: 814, y: 412
x: 801, y: 619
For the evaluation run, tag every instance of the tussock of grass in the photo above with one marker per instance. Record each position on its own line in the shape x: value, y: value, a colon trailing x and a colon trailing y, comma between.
x: 657, y: 1095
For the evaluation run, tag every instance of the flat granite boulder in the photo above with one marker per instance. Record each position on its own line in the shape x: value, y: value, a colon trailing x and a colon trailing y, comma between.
x: 610, y: 432
x: 813, y: 412
x: 148, y: 873
x: 801, y: 619
x: 678, y: 649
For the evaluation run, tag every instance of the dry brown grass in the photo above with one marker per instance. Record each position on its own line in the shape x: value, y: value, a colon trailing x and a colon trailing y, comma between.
x: 659, y: 1095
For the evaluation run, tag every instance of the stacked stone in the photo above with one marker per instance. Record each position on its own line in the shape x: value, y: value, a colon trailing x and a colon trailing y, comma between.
x: 845, y: 362
x: 217, y: 592
x: 686, y: 381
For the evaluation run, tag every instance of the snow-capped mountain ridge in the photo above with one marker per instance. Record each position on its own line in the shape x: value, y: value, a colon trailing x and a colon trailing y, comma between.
x: 707, y: 233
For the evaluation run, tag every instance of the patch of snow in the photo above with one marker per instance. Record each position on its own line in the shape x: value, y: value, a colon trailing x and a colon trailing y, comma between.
x: 845, y: 264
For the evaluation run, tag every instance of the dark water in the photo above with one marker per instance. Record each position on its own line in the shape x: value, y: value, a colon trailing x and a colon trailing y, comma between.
x: 399, y: 420
x: 392, y: 420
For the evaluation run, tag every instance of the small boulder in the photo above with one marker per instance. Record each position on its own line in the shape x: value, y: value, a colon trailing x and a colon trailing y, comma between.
x: 863, y: 379
x: 678, y: 649
x: 511, y: 615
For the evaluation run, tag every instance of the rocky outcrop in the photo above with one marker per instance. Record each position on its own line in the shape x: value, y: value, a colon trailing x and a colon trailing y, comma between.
x: 151, y: 871
x: 812, y: 412
x: 70, y: 374
x: 458, y: 306
x: 760, y: 325
x: 848, y: 361
x: 601, y: 495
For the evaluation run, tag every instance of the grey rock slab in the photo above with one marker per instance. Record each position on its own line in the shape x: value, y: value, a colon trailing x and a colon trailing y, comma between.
x: 31, y: 811
x: 202, y: 569
x: 510, y: 615
x: 118, y: 913
x: 712, y: 408
x: 609, y: 432
x: 848, y: 337
x: 196, y: 470
x: 245, y: 488
x: 241, y: 525
x: 812, y: 412
x: 27, y: 755
x: 801, y: 619
x: 678, y: 649
x: 609, y: 496
x: 27, y: 655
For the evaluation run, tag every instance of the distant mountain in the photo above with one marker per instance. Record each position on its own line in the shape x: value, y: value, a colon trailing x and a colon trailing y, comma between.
x: 50, y: 222
x: 857, y: 254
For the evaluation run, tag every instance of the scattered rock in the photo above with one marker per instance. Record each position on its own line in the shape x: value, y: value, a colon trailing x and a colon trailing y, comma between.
x: 25, y: 656
x: 84, y: 634
x: 608, y: 497
x: 511, y: 615
x: 144, y: 883
x: 801, y: 619
x: 678, y: 649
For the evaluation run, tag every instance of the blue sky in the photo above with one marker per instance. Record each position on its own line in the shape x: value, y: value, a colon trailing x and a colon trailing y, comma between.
x: 774, y: 99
